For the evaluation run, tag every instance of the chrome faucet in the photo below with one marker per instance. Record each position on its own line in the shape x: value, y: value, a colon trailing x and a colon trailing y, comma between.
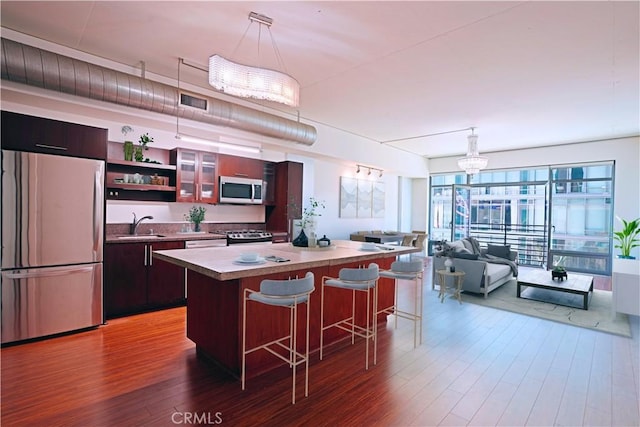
x: 133, y: 228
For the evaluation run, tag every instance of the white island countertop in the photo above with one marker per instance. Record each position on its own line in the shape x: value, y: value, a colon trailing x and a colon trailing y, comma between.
x: 221, y: 263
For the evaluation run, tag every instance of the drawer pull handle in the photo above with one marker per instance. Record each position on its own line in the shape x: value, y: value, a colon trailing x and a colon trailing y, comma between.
x: 53, y: 147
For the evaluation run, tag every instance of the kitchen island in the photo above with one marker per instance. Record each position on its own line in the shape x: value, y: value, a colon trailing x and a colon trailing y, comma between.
x: 216, y: 283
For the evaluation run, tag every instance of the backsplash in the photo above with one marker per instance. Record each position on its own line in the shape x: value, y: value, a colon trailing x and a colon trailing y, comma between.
x: 148, y: 227
x: 119, y: 212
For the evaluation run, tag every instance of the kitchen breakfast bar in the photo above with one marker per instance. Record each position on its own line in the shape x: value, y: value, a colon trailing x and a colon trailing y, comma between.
x: 216, y: 279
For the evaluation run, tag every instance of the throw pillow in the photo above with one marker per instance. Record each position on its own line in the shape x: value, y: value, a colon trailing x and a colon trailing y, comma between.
x: 457, y: 245
x: 502, y: 251
x: 465, y: 255
x: 467, y: 245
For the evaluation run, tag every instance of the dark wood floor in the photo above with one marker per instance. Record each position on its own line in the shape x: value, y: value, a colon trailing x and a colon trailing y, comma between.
x: 476, y: 366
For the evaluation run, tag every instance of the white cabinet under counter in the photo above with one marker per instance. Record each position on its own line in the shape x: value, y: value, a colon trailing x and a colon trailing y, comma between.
x: 626, y: 286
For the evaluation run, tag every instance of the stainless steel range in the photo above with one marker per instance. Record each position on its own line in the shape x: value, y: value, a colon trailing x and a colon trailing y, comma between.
x: 235, y: 237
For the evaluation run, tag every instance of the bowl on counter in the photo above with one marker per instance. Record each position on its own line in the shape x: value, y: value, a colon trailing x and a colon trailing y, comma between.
x: 249, y: 256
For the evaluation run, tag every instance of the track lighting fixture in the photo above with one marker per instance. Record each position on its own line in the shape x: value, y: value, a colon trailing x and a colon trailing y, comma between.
x: 369, y: 170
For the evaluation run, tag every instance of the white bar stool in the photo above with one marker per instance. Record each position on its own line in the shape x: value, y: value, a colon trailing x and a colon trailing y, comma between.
x: 407, y: 270
x: 282, y: 293
x: 355, y: 279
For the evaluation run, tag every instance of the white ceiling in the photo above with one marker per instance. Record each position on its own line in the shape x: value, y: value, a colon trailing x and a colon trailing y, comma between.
x: 524, y: 74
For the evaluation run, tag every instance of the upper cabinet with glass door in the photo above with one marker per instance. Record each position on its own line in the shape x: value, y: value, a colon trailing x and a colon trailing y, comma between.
x: 195, y: 175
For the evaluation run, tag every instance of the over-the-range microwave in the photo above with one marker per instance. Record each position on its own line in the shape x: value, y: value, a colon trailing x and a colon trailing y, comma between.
x: 235, y: 189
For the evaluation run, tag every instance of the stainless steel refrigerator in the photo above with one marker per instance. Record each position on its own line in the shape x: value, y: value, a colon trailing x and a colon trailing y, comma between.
x: 52, y: 237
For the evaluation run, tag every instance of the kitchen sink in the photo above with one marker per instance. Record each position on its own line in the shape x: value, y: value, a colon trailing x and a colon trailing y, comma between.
x: 139, y: 236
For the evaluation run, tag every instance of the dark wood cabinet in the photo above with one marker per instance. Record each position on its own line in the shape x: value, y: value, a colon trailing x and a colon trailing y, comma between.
x: 125, y: 278
x: 288, y: 196
x: 243, y: 167
x: 269, y: 183
x: 39, y: 135
x: 196, y: 175
x: 165, y: 281
x: 158, y: 181
x: 135, y: 282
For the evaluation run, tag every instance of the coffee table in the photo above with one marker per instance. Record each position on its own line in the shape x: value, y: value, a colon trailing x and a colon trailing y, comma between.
x: 577, y: 284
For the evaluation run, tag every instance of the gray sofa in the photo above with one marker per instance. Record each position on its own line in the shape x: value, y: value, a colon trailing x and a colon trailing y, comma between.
x: 485, y: 268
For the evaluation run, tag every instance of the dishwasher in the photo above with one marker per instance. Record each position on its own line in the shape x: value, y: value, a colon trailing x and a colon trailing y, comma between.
x: 205, y: 243
x: 198, y: 244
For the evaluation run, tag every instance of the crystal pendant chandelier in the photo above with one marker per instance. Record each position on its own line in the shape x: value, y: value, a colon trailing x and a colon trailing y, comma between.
x: 254, y: 82
x: 473, y: 161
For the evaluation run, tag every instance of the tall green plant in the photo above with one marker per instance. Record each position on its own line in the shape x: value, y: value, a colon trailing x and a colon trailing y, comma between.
x: 627, y: 238
x: 142, y: 146
x: 308, y: 213
x: 311, y: 211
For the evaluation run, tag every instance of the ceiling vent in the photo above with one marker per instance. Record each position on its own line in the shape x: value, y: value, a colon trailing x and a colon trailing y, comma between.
x: 193, y: 102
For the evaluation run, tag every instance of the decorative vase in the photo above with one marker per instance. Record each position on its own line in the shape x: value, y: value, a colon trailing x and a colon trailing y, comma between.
x: 301, y: 240
x: 138, y: 155
x: 128, y: 151
x: 196, y: 227
x: 448, y: 264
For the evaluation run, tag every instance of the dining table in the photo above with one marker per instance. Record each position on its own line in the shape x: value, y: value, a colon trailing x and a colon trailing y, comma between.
x: 384, y: 237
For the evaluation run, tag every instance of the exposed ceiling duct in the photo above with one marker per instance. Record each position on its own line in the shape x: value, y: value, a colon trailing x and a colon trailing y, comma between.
x: 36, y: 67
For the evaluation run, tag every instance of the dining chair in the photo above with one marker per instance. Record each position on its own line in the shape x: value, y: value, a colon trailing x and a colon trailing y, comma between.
x: 407, y: 240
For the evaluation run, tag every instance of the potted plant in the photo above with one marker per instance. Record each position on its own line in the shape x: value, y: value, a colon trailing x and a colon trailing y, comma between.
x: 128, y: 145
x: 627, y: 238
x: 196, y: 216
x: 559, y: 273
x: 142, y: 146
x: 308, y: 217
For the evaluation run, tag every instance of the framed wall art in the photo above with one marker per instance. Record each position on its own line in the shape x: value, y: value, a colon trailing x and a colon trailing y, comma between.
x: 361, y: 198
x: 348, y: 197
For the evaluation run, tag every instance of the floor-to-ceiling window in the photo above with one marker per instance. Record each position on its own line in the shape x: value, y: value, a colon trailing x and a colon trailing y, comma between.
x: 551, y: 215
x: 581, y: 217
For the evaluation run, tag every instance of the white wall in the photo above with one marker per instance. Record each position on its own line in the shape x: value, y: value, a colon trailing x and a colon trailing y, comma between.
x: 326, y: 187
x: 420, y: 208
x: 405, y: 204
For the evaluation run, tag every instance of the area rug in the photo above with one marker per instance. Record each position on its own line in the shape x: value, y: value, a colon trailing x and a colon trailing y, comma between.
x: 599, y: 317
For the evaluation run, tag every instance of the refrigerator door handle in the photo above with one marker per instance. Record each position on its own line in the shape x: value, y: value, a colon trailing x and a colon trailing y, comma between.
x: 45, y: 272
x: 150, y: 255
x: 98, y: 200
